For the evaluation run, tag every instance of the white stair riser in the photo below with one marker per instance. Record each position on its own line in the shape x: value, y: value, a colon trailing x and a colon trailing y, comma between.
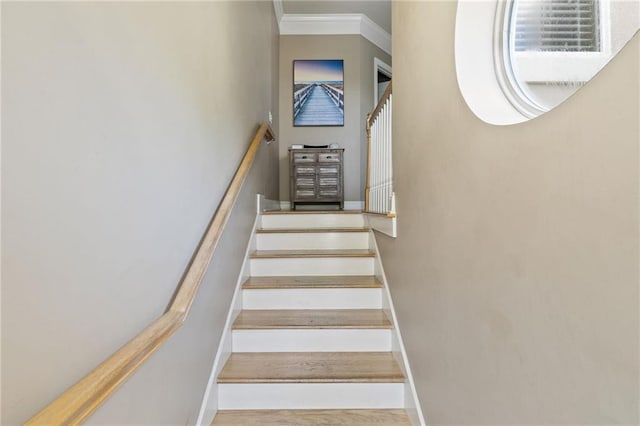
x: 312, y: 340
x: 311, y: 241
x: 297, y: 221
x: 312, y: 266
x: 310, y: 395
x: 325, y: 298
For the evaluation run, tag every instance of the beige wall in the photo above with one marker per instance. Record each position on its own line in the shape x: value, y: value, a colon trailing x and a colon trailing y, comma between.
x: 515, y: 270
x: 358, y: 54
x: 122, y: 125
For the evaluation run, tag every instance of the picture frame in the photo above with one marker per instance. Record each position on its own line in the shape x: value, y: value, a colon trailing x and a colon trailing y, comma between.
x: 318, y: 92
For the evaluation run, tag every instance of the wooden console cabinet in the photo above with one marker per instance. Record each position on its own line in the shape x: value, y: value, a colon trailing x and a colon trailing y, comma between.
x: 316, y: 176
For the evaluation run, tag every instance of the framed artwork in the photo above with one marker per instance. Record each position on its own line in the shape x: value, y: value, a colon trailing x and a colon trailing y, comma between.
x: 318, y: 92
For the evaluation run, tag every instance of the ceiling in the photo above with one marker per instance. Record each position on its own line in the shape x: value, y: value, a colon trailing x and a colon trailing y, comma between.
x: 379, y: 11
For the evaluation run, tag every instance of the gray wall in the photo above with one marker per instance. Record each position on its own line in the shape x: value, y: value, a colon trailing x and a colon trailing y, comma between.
x: 358, y: 54
x: 515, y: 270
x: 122, y: 125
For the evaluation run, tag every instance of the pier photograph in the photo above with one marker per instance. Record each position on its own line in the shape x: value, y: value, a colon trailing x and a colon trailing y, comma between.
x: 318, y: 92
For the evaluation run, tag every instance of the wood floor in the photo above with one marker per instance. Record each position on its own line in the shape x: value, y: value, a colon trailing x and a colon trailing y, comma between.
x: 296, y: 212
x: 308, y: 230
x: 312, y: 319
x: 313, y: 281
x: 312, y: 417
x: 311, y: 367
x: 275, y: 254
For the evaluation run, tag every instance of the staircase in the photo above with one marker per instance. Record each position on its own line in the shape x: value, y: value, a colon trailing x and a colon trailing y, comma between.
x: 312, y: 344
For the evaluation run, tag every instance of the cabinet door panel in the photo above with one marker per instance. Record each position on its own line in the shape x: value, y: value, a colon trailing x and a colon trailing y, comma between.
x: 305, y: 193
x: 306, y: 181
x: 328, y: 170
x: 305, y: 170
x: 328, y: 191
x: 329, y: 181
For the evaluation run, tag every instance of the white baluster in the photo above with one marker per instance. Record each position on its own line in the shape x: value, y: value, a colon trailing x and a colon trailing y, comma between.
x: 374, y: 166
x: 386, y: 158
x: 381, y: 161
x: 391, y: 204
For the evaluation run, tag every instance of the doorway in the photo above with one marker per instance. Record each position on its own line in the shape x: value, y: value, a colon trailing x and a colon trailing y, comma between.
x: 381, y: 79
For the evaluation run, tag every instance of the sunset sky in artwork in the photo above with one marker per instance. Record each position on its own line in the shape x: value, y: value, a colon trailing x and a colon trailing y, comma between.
x: 324, y: 70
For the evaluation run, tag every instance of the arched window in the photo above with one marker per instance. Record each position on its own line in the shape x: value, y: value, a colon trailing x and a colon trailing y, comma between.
x: 550, y: 48
x: 516, y: 59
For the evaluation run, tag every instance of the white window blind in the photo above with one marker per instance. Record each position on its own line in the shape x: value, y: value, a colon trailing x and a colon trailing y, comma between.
x: 557, y: 25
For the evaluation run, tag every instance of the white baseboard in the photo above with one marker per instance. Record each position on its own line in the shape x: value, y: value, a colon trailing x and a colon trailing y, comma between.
x: 411, y: 401
x: 348, y: 205
x: 209, y: 405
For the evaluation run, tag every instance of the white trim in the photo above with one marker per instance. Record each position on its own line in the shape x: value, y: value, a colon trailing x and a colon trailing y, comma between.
x: 325, y: 219
x: 291, y: 396
x: 314, y: 241
x: 278, y: 10
x: 335, y: 24
x: 312, y: 340
x: 476, y: 65
x: 553, y: 67
x: 384, y: 68
x: 265, y: 267
x: 411, y: 401
x: 209, y: 405
x: 384, y: 224
x: 504, y: 72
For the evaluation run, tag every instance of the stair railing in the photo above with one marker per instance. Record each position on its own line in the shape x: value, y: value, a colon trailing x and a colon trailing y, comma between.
x: 78, y: 402
x: 379, y: 195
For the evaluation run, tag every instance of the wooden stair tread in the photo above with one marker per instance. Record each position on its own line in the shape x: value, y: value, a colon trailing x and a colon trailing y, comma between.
x: 277, y: 254
x: 311, y: 367
x: 313, y: 281
x: 312, y: 319
x: 376, y: 417
x: 308, y: 230
x: 276, y: 212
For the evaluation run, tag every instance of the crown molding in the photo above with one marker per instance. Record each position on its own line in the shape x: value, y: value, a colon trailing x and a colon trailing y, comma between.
x: 332, y: 24
x: 278, y: 10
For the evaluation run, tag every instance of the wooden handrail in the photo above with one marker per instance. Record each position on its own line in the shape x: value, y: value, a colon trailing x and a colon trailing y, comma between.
x: 82, y: 399
x: 376, y: 111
